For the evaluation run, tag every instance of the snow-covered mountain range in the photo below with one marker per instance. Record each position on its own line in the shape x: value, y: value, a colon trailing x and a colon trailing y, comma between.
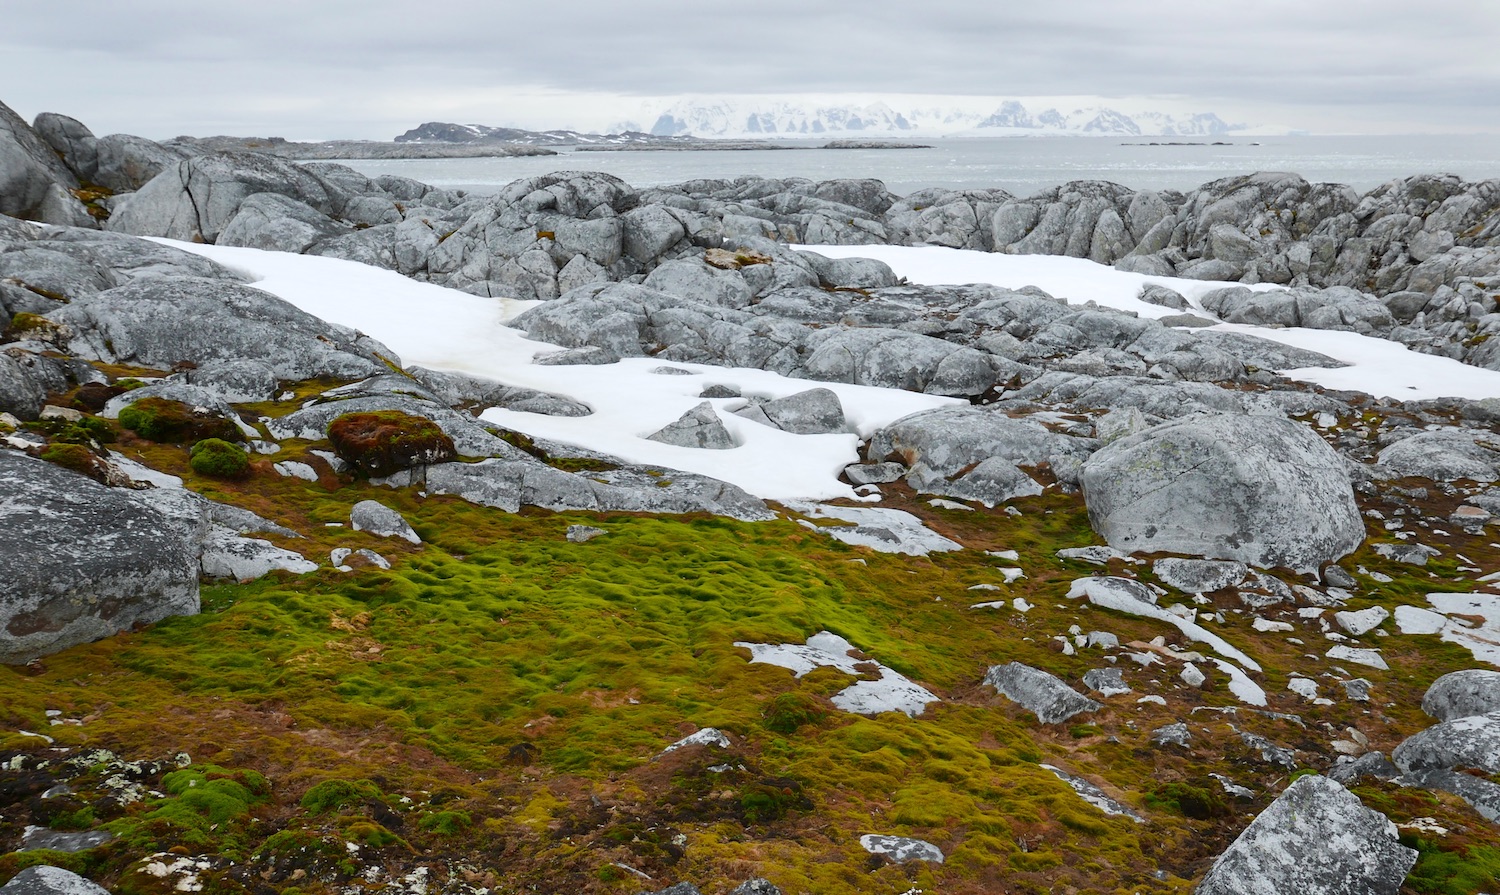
x: 759, y: 117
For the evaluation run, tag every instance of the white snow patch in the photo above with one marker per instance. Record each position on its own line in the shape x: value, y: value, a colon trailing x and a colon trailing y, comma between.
x: 1376, y: 366
x: 450, y: 330
x: 1101, y: 594
x: 1482, y: 640
x: 893, y: 692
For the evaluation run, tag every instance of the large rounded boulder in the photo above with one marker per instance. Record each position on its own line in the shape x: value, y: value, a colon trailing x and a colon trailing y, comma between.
x: 1259, y: 489
x: 79, y: 561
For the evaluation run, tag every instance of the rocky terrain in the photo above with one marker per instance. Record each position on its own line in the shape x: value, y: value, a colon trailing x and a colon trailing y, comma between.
x: 1128, y: 606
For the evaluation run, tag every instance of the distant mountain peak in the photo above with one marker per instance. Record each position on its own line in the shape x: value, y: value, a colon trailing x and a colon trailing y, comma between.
x: 740, y: 117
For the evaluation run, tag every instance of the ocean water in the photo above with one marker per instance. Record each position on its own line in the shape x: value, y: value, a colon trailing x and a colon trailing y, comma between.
x: 1021, y: 165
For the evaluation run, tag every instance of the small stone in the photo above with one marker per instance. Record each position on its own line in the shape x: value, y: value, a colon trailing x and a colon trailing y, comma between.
x: 378, y: 519
x: 579, y: 534
x: 1173, y: 734
x: 1192, y: 676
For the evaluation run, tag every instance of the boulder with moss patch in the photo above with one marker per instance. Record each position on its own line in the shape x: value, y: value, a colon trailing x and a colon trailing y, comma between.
x: 384, y: 441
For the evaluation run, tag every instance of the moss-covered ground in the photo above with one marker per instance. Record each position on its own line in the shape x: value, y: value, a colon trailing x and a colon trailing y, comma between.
x: 494, y: 708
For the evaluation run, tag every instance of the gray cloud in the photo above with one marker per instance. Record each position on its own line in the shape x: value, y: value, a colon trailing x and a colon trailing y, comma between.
x: 370, y: 69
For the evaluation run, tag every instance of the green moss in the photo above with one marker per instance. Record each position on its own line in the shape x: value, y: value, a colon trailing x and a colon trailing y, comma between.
x: 1440, y: 872
x: 219, y: 459
x: 331, y: 794
x: 72, y: 456
x: 786, y: 712
x: 446, y: 823
x: 174, y: 422
x: 382, y: 442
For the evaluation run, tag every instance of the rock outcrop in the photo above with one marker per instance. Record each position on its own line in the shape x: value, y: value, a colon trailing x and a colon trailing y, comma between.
x: 1261, y: 490
x: 1316, y: 838
x: 81, y: 561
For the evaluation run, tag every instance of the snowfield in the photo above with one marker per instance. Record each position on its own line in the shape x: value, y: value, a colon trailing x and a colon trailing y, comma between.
x: 450, y: 330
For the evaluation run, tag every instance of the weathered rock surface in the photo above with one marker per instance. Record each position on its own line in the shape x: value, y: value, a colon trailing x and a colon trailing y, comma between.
x: 1459, y: 694
x: 378, y: 519
x: 1463, y: 742
x: 34, y: 183
x: 698, y: 428
x: 47, y: 880
x: 1260, y: 490
x: 1316, y: 838
x: 162, y: 322
x: 1043, y: 694
x: 81, y: 561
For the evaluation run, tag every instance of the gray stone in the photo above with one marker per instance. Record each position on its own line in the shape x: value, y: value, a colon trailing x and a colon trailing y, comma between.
x: 278, y: 223
x: 79, y: 561
x: 1106, y: 681
x: 1409, y: 554
x: 814, y: 412
x: 1156, y: 294
x: 1176, y: 734
x: 1371, y: 764
x: 1044, y: 694
x: 378, y: 519
x: 1467, y: 742
x: 48, y: 880
x: 901, y: 849
x: 693, y: 279
x: 1459, y: 694
x: 1199, y: 576
x: 196, y: 199
x: 874, y: 473
x: 236, y: 381
x: 41, y: 838
x: 125, y: 163
x: 580, y: 534
x: 470, y: 439
x: 162, y: 322
x: 30, y: 172
x: 1481, y: 794
x: 698, y: 428
x: 1315, y: 839
x: 224, y: 554
x: 1446, y: 455
x: 21, y: 394
x: 1257, y: 489
x: 649, y: 232
x: 755, y: 886
x: 72, y: 140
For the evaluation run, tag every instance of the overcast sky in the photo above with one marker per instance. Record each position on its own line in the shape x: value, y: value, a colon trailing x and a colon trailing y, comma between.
x: 322, y: 69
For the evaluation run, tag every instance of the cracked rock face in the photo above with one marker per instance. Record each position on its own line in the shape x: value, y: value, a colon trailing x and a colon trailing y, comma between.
x: 1262, y: 490
x: 79, y: 561
x: 1315, y: 839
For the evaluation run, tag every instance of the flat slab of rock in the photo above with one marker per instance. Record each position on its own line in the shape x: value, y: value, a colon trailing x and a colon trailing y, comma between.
x: 901, y: 849
x: 887, y: 531
x: 1459, y: 694
x: 79, y: 561
x: 1094, y: 795
x: 892, y: 692
x: 1315, y: 839
x: 1044, y: 694
x: 1199, y: 576
x: 1258, y: 489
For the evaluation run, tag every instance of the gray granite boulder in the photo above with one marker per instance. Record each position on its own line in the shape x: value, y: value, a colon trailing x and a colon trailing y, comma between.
x: 79, y: 561
x: 1459, y: 694
x: 1044, y: 694
x: 71, y: 140
x: 1446, y: 455
x: 48, y: 880
x: 816, y: 411
x: 196, y: 199
x: 692, y: 278
x: 893, y: 358
x: 974, y: 453
x: 21, y: 393
x: 698, y: 428
x: 1258, y: 489
x: 1315, y: 839
x: 125, y: 163
x: 278, y: 223
x: 378, y: 519
x: 161, y: 322
x: 1466, y: 742
x: 34, y: 183
x: 901, y: 849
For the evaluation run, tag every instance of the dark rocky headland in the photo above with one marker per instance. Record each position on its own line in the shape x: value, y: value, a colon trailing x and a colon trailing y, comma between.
x: 281, y: 613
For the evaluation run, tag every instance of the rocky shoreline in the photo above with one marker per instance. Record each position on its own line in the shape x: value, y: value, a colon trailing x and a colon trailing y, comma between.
x: 1209, y: 590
